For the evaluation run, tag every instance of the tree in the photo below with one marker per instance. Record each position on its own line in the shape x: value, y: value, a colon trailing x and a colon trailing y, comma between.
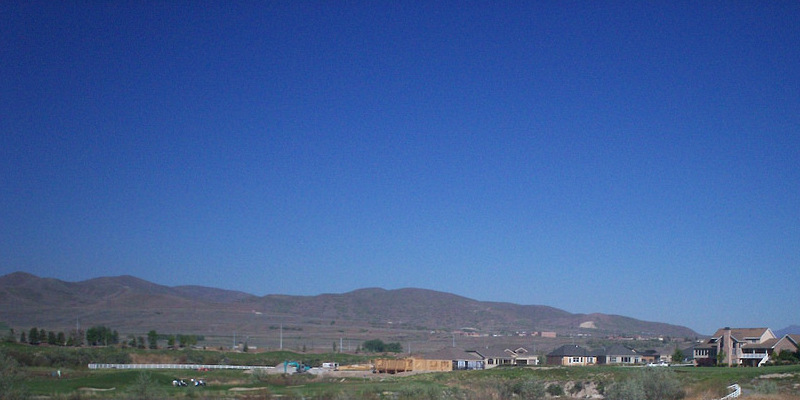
x: 51, y: 338
x: 677, y: 355
x: 75, y: 338
x: 374, y: 346
x: 378, y: 346
x: 61, y: 338
x: 720, y: 357
x: 23, y: 338
x: 152, y: 339
x: 33, y: 336
x: 101, y: 335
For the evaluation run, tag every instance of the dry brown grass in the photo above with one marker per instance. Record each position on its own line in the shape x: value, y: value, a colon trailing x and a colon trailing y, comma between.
x: 151, y: 358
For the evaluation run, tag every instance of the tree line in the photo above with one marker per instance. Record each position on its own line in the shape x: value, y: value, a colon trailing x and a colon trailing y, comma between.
x: 100, y: 335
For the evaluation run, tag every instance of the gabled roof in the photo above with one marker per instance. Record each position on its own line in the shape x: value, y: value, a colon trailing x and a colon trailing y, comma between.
x: 453, y: 354
x: 767, y: 344
x: 617, y: 350
x: 743, y: 334
x: 794, y: 339
x: 570, y: 350
x: 500, y: 351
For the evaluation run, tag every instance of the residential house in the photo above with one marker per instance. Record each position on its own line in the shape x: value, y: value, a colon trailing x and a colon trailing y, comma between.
x: 618, y: 354
x: 652, y: 356
x: 741, y: 346
x: 461, y: 359
x: 504, y: 355
x: 570, y: 354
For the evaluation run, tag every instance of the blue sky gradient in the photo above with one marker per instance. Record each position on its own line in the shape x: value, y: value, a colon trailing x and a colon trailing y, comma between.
x: 627, y: 158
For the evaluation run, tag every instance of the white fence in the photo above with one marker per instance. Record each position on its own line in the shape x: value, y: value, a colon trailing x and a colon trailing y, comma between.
x: 174, y: 366
x: 737, y: 391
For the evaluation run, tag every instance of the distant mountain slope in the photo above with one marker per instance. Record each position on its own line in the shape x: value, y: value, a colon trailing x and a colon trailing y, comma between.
x: 789, y: 330
x: 130, y: 303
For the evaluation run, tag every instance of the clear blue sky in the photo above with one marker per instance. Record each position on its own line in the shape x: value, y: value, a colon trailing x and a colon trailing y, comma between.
x: 633, y: 158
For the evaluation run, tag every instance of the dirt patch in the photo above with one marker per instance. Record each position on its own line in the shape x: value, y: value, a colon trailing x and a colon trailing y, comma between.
x: 243, y: 389
x: 776, y: 376
x: 588, y: 325
x: 147, y: 358
x: 88, y: 389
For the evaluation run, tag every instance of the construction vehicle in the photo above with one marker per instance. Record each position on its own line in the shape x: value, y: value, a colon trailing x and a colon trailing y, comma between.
x: 298, y: 367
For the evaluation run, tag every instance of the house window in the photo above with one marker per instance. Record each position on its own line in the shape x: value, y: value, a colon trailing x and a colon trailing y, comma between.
x: 626, y: 359
x: 576, y: 360
x: 613, y: 359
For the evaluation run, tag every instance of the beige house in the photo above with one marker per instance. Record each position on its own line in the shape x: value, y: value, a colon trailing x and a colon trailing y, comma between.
x: 570, y: 355
x: 507, y: 355
x: 741, y: 346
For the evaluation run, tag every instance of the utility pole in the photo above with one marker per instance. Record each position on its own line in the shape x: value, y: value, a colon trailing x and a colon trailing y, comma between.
x: 281, y: 342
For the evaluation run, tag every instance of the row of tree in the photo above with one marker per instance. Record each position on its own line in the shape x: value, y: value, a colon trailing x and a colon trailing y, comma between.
x: 100, y: 336
x: 37, y: 336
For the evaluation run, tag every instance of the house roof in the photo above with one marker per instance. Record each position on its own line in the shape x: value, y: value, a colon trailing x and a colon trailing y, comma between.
x: 500, y: 351
x: 617, y: 350
x: 767, y: 344
x: 570, y: 350
x: 452, y: 353
x: 794, y: 338
x: 742, y: 334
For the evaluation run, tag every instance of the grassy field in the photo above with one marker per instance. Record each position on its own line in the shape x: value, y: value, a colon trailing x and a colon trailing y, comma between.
x: 700, y: 383
x: 77, y: 382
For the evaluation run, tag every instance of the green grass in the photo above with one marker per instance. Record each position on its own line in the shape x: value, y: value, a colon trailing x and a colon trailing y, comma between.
x: 457, y: 384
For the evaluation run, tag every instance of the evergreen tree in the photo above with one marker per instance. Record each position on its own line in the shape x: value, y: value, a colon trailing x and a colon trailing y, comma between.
x: 51, y: 338
x: 33, y: 336
x: 152, y: 339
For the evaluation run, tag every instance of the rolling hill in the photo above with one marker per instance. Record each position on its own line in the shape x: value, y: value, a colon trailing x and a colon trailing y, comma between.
x: 130, y: 304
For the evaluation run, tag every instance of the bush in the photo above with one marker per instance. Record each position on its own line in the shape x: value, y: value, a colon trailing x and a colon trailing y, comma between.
x: 650, y: 384
x: 555, y: 389
x: 576, y: 388
x: 523, y: 389
x: 766, y: 387
x: 11, y: 379
x: 146, y: 387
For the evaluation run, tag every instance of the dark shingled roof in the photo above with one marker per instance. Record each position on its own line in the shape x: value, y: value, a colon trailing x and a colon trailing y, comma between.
x: 617, y: 350
x: 570, y: 350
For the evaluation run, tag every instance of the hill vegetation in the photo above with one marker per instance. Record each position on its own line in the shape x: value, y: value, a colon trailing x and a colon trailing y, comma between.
x: 132, y: 305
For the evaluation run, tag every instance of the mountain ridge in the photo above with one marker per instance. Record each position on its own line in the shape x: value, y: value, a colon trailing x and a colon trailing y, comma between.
x: 130, y: 303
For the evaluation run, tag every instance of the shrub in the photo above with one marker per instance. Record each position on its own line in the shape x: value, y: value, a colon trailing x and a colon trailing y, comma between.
x: 524, y: 389
x: 10, y: 379
x: 555, y: 389
x: 766, y: 387
x: 146, y: 387
x: 650, y: 384
x: 576, y: 388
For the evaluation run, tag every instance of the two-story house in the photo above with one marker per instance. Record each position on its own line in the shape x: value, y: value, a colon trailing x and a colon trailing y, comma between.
x: 741, y: 346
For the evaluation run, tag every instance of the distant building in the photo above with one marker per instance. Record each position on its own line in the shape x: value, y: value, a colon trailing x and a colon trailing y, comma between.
x: 618, y: 354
